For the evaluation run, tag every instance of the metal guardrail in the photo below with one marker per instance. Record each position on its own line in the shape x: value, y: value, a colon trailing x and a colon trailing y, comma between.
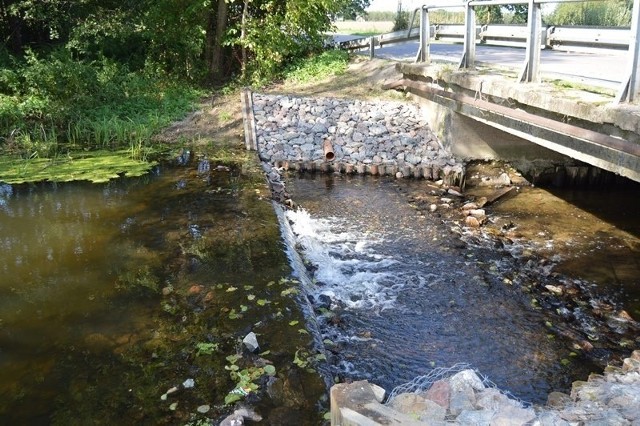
x: 585, y: 37
x: 553, y: 37
x: 533, y: 37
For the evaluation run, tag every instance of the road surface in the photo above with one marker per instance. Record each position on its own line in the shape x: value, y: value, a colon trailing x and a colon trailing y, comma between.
x: 605, y: 68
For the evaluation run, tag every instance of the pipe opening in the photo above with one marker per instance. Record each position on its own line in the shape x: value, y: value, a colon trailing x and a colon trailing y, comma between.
x: 329, y: 155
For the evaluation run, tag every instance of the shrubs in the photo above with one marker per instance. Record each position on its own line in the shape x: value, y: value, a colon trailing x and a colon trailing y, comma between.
x: 57, y: 101
x: 318, y: 67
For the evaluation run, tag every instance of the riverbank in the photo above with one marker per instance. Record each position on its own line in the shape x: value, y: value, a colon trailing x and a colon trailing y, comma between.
x: 461, y: 397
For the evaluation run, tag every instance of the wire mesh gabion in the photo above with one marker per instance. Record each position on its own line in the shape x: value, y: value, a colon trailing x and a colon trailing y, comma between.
x: 422, y: 383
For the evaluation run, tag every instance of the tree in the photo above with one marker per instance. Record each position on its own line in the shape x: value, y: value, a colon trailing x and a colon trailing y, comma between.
x: 494, y: 14
x: 276, y: 31
x: 602, y: 13
x: 353, y: 9
x: 519, y: 13
x: 193, y: 39
x: 488, y: 15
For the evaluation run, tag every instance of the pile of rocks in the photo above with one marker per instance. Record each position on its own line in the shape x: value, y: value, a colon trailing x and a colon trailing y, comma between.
x: 381, y: 137
x: 463, y: 399
x: 609, y: 399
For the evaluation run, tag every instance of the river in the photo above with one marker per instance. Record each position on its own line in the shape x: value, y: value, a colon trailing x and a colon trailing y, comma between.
x: 114, y: 295
x: 402, y: 290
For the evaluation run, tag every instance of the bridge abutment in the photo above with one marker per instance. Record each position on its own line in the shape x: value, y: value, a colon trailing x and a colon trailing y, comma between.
x: 482, y: 116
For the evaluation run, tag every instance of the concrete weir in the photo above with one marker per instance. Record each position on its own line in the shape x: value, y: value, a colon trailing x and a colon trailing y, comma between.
x: 490, y: 116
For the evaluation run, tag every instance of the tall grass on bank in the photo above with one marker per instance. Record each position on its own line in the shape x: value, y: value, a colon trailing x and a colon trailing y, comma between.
x: 54, y: 103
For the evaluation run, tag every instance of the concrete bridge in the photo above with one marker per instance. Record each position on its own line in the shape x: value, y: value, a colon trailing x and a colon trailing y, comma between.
x: 488, y: 112
x: 485, y: 115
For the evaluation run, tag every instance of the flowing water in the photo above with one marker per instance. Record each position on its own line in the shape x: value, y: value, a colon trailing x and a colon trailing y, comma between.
x: 399, y: 292
x: 113, y: 294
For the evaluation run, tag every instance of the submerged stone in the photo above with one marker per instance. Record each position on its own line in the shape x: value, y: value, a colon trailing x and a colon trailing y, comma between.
x: 251, y: 342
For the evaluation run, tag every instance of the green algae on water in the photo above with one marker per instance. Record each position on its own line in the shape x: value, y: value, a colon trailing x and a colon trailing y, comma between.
x: 93, y: 166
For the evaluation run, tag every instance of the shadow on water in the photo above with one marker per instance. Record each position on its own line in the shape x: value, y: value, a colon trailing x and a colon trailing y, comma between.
x: 399, y: 293
x: 114, y: 294
x: 593, y: 234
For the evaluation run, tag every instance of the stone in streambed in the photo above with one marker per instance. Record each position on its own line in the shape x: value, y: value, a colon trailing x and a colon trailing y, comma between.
x: 251, y: 342
x: 416, y: 405
x: 472, y: 222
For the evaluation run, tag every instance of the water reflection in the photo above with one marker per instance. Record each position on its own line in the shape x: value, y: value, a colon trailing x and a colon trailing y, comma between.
x: 58, y: 274
x: 106, y: 291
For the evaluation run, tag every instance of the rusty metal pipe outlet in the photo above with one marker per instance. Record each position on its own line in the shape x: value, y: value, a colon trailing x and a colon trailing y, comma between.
x: 329, y: 155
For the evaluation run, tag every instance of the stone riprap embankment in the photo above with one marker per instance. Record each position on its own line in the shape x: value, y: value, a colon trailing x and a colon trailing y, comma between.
x: 374, y: 137
x: 463, y: 399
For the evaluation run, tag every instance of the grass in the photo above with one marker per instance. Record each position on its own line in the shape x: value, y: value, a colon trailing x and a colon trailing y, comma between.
x: 56, y: 107
x: 328, y: 64
x: 363, y: 28
x: 564, y: 84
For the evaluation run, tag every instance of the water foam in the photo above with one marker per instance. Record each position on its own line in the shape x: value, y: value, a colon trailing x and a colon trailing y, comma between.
x: 347, y: 267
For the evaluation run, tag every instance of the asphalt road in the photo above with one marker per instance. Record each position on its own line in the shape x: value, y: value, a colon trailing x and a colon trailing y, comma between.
x: 605, y: 68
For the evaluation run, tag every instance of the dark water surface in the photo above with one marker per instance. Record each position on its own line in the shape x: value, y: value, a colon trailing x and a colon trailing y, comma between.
x: 400, y: 294
x: 110, y: 295
x: 591, y: 233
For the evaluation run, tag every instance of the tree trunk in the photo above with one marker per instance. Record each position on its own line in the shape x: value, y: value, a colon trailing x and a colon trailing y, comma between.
x: 12, y: 35
x: 209, y: 39
x: 243, y: 34
x: 216, y: 67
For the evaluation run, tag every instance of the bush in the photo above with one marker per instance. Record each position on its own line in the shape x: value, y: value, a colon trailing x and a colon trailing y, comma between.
x: 401, y: 22
x: 56, y: 100
x: 318, y: 67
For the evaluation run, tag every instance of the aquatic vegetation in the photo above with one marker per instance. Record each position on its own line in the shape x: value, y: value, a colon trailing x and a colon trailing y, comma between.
x: 245, y: 378
x: 206, y: 348
x: 93, y: 166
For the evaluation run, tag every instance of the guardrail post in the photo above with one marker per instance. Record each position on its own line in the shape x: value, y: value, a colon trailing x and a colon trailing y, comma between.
x: 469, y: 55
x: 530, y: 72
x: 630, y: 89
x: 425, y: 36
x: 372, y: 47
